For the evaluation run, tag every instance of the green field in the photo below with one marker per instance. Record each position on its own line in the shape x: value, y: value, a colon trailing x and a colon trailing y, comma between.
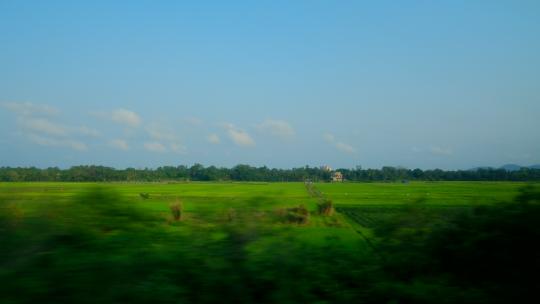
x: 64, y: 241
x: 205, y: 198
x: 206, y: 205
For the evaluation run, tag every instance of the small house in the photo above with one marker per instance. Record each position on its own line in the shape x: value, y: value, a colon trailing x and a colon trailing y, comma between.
x: 337, y: 177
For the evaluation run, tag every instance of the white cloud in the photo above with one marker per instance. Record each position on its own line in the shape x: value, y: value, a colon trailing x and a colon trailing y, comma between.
x: 86, y: 131
x: 238, y: 136
x: 278, y: 128
x: 241, y: 138
x: 119, y: 144
x: 436, y: 150
x: 155, y: 146
x: 213, y: 139
x: 43, y: 131
x: 125, y: 117
x: 329, y: 137
x: 42, y: 125
x: 30, y: 118
x: 194, y: 121
x: 178, y: 148
x: 27, y: 108
x: 48, y: 141
x: 48, y: 127
x: 160, y: 134
x: 77, y: 145
x: 343, y: 147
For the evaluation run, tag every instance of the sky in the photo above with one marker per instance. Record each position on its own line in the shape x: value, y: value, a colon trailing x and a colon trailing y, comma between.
x: 418, y: 84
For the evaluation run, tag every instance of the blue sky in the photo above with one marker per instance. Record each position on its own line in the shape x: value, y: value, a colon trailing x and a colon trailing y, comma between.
x: 428, y: 84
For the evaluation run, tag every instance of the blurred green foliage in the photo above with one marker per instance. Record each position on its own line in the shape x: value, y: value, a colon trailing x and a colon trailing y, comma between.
x: 100, y: 248
x: 486, y: 254
x: 97, y: 245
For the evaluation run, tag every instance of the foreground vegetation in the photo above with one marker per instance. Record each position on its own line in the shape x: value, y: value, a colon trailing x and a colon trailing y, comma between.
x: 452, y: 242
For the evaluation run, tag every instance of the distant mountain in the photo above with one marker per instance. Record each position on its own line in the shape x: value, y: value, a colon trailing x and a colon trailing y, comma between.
x: 507, y: 167
x: 481, y: 168
x: 511, y: 167
x: 514, y: 167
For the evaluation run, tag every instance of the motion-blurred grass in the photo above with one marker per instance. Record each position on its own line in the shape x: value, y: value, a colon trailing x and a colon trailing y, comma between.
x: 105, y: 243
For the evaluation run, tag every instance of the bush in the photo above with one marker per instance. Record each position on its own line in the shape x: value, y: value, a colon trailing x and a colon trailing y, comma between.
x: 144, y: 195
x: 326, y: 207
x: 298, y: 215
x: 177, y: 210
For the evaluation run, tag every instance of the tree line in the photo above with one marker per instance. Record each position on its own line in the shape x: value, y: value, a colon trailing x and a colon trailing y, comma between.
x: 198, y: 172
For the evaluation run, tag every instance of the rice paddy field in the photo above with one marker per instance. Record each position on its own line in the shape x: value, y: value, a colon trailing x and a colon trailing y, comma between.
x: 121, y: 242
x: 210, y: 199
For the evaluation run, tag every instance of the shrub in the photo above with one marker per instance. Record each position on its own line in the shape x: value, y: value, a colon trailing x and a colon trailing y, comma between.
x: 177, y: 210
x: 326, y: 207
x: 298, y: 215
x: 144, y: 195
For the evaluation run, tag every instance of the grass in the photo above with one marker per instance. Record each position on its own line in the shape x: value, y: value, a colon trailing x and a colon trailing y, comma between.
x: 436, y: 193
x: 210, y: 205
x: 231, y: 243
